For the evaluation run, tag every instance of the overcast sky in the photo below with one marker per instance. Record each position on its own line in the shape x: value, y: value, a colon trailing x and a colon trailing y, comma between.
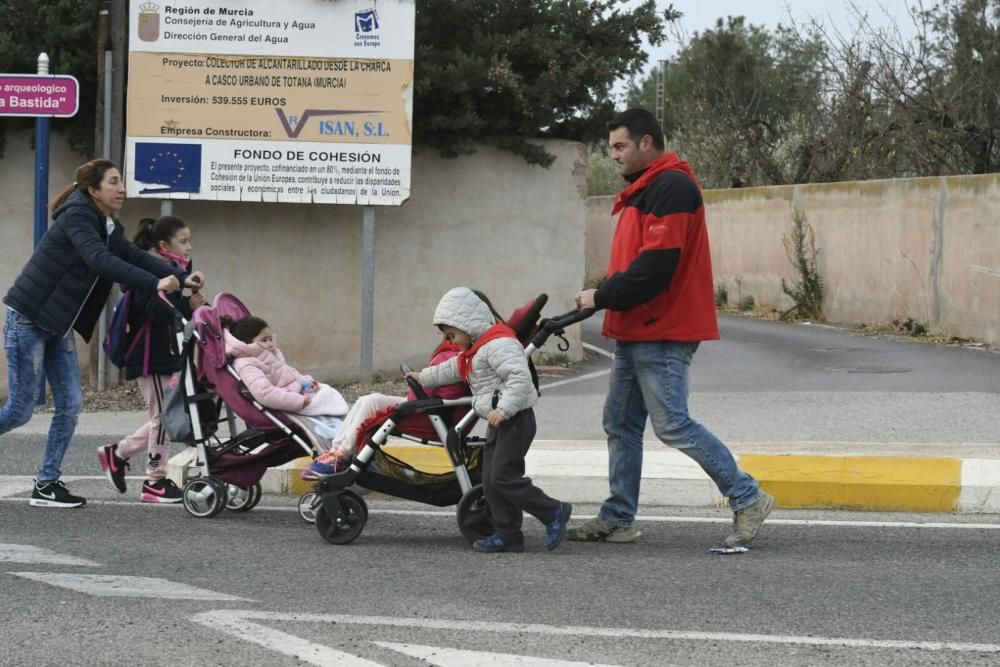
x: 836, y: 15
x: 700, y: 15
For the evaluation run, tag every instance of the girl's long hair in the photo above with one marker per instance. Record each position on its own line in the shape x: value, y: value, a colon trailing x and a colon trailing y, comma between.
x: 87, y: 175
x: 151, y: 231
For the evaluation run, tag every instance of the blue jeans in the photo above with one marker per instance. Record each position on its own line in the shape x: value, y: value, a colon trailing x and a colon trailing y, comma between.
x: 30, y: 350
x: 651, y: 379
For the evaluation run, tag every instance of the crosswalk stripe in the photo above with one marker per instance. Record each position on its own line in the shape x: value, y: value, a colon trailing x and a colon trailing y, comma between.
x: 103, y: 585
x: 27, y: 553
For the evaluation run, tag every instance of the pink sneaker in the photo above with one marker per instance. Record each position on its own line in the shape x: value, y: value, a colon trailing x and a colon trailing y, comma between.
x: 160, y: 491
x: 113, y: 466
x: 322, y: 466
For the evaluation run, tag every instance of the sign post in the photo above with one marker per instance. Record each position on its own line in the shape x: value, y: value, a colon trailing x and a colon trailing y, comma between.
x: 42, y: 96
x: 290, y: 101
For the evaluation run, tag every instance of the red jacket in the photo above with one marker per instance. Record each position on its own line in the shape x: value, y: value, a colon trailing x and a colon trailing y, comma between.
x: 659, y: 284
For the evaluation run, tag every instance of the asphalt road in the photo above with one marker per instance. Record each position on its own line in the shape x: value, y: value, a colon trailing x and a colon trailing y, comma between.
x: 120, y: 582
x: 832, y: 593
x: 772, y: 382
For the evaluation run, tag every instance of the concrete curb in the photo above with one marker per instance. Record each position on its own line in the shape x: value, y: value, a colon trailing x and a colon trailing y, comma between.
x: 806, y: 476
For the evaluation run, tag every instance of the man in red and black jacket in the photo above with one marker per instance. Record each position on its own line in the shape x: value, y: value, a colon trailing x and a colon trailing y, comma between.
x: 660, y: 305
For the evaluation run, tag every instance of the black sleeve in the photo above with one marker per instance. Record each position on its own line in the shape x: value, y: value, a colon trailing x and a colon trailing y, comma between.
x: 101, y: 260
x: 158, y: 312
x: 649, y: 274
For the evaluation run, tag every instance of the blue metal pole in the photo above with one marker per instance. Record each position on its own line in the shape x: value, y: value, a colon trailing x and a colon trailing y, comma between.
x: 41, y: 177
x: 41, y: 187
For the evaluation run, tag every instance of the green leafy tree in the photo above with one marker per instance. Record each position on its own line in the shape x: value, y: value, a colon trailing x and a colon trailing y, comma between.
x: 738, y: 99
x: 66, y: 31
x: 955, y: 100
x: 899, y: 107
x: 505, y: 71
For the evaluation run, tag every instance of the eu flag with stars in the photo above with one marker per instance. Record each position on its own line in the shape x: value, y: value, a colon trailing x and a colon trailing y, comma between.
x: 172, y: 167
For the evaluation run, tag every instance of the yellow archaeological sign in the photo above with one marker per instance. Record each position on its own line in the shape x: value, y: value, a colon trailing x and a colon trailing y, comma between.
x: 268, y: 100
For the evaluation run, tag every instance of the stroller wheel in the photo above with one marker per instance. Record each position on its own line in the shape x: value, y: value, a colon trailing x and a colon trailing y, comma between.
x: 204, y: 497
x: 257, y: 493
x: 239, y: 499
x: 474, y: 517
x: 306, y: 509
x: 351, y: 514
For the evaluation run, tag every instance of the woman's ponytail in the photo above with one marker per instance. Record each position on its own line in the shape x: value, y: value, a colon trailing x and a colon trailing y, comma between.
x: 89, y: 175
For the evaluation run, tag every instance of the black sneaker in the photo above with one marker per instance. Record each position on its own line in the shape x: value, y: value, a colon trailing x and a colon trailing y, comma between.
x: 113, y: 466
x: 159, y: 491
x: 55, y: 494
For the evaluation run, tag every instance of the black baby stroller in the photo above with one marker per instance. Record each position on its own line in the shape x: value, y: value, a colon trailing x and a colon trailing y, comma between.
x: 340, y: 514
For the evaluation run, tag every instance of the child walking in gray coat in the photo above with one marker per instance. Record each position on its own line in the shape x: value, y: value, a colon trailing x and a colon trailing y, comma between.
x: 493, y: 362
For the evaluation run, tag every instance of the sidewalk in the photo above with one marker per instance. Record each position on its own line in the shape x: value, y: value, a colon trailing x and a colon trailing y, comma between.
x: 910, y: 477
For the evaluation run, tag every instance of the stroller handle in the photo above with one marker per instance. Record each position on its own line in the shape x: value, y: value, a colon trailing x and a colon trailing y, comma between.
x: 556, y: 325
x: 415, y: 386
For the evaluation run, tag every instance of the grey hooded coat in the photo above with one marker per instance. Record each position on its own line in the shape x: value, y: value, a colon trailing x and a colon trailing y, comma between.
x: 499, y: 368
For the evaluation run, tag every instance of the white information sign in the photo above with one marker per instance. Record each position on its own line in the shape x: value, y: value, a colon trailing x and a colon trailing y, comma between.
x: 271, y: 100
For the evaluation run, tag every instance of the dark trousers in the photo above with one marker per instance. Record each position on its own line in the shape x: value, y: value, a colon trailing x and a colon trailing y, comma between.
x: 508, y: 491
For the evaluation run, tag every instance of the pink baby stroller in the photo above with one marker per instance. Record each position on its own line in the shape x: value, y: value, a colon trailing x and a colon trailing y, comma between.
x: 340, y: 514
x: 210, y: 391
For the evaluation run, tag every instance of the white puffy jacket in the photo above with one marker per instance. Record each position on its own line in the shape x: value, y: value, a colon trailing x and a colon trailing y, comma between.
x: 499, y: 366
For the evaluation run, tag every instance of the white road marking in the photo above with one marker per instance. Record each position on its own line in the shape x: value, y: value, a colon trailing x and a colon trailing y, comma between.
x: 772, y: 521
x: 103, y: 585
x: 11, y: 485
x: 579, y: 378
x: 232, y: 623
x: 456, y: 657
x: 245, y: 625
x: 26, y: 553
x: 728, y: 520
x: 598, y: 350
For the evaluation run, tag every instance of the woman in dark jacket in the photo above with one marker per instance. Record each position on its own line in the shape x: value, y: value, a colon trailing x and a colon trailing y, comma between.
x: 63, y: 288
x: 154, y: 359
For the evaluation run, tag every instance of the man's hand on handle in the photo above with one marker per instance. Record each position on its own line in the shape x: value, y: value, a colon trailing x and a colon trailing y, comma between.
x: 585, y: 299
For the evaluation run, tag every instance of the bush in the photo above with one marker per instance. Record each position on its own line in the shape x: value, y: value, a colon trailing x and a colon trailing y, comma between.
x: 802, y: 252
x: 721, y: 296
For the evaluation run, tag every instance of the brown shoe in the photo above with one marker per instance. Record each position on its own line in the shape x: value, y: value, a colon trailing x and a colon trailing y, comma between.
x: 599, y: 530
x: 747, y: 522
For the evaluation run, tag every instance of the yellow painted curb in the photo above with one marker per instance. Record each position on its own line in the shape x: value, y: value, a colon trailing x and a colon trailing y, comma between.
x: 427, y: 459
x: 859, y: 482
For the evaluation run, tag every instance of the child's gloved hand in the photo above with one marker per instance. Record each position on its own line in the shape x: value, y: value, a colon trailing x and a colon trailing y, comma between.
x: 413, y: 375
x: 496, y: 417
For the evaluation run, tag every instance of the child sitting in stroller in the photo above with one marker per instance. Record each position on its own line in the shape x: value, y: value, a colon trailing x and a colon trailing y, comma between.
x: 345, y: 443
x: 273, y: 382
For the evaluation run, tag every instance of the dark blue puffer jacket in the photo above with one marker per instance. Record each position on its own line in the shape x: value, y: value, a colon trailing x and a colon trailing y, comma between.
x: 67, y: 280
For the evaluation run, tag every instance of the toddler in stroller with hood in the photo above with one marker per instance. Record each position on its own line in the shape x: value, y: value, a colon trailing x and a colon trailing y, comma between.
x: 250, y: 343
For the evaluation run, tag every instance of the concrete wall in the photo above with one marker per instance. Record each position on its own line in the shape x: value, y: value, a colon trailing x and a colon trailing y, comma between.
x: 489, y: 221
x: 923, y: 248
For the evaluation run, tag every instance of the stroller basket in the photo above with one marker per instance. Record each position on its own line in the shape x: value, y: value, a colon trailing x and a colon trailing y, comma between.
x: 390, y: 475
